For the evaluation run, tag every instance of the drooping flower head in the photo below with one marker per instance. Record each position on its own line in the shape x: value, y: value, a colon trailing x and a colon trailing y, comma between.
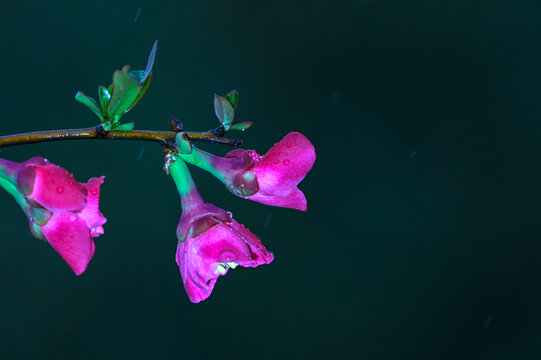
x: 270, y: 179
x: 210, y: 240
x: 59, y: 209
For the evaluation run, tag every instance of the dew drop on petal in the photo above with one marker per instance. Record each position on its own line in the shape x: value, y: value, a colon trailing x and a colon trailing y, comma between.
x: 289, y: 145
x: 93, y: 191
x: 275, y: 161
x: 73, y: 217
x: 286, y: 162
x: 227, y: 256
x: 60, y: 189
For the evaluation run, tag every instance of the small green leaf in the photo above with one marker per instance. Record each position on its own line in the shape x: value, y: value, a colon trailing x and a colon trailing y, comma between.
x: 90, y: 103
x: 125, y: 127
x: 144, y: 86
x: 224, y: 111
x: 241, y: 126
x: 233, y: 98
x: 124, y: 92
x: 150, y: 62
x: 104, y: 97
x: 138, y: 75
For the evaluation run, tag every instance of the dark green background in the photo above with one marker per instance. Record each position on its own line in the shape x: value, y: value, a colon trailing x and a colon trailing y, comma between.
x: 431, y: 257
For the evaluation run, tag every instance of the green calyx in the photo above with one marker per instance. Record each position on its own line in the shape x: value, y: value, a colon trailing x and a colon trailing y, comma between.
x: 37, y: 215
x: 127, y: 88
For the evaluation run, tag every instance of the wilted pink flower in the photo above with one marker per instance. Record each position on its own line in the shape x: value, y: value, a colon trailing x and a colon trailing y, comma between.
x: 270, y: 179
x: 60, y: 210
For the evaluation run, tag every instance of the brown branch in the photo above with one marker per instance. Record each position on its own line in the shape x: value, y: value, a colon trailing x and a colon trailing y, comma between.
x: 164, y: 138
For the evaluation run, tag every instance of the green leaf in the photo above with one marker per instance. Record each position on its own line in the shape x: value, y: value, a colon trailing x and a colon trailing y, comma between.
x: 125, y: 127
x: 138, y: 75
x: 124, y: 92
x: 144, y: 86
x: 90, y: 103
x: 150, y: 62
x: 104, y: 97
x: 233, y: 98
x: 242, y: 126
x: 224, y: 111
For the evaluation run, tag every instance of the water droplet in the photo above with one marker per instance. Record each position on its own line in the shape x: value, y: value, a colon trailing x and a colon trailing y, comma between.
x: 93, y: 191
x: 60, y: 189
x: 275, y: 161
x: 289, y: 145
x: 71, y: 176
x: 73, y: 217
x: 229, y: 213
x: 286, y: 162
x: 227, y: 256
x: 277, y: 153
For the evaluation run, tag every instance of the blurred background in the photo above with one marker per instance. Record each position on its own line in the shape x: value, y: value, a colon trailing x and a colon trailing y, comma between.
x: 422, y: 235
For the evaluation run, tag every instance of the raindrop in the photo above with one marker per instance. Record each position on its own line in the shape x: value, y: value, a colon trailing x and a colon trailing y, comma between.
x: 276, y: 161
x: 60, y: 189
x: 289, y: 145
x: 93, y: 191
x: 227, y: 256
x: 73, y: 217
x: 286, y: 162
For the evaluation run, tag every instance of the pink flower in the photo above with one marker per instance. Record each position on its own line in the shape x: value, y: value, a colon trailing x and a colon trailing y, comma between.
x: 270, y: 179
x: 211, y: 242
x: 60, y: 210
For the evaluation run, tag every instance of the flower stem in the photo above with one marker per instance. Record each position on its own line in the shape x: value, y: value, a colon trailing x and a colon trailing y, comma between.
x: 189, y: 196
x: 164, y: 138
x: 202, y: 160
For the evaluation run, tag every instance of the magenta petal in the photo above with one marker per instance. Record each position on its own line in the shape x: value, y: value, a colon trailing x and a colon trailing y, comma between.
x: 285, y: 165
x: 55, y: 189
x: 259, y: 255
x: 294, y: 200
x: 199, y: 258
x: 70, y: 237
x: 91, y: 214
x: 197, y: 287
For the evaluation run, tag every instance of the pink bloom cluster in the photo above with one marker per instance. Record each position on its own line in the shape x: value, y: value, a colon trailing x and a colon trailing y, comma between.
x: 210, y: 240
x: 66, y: 213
